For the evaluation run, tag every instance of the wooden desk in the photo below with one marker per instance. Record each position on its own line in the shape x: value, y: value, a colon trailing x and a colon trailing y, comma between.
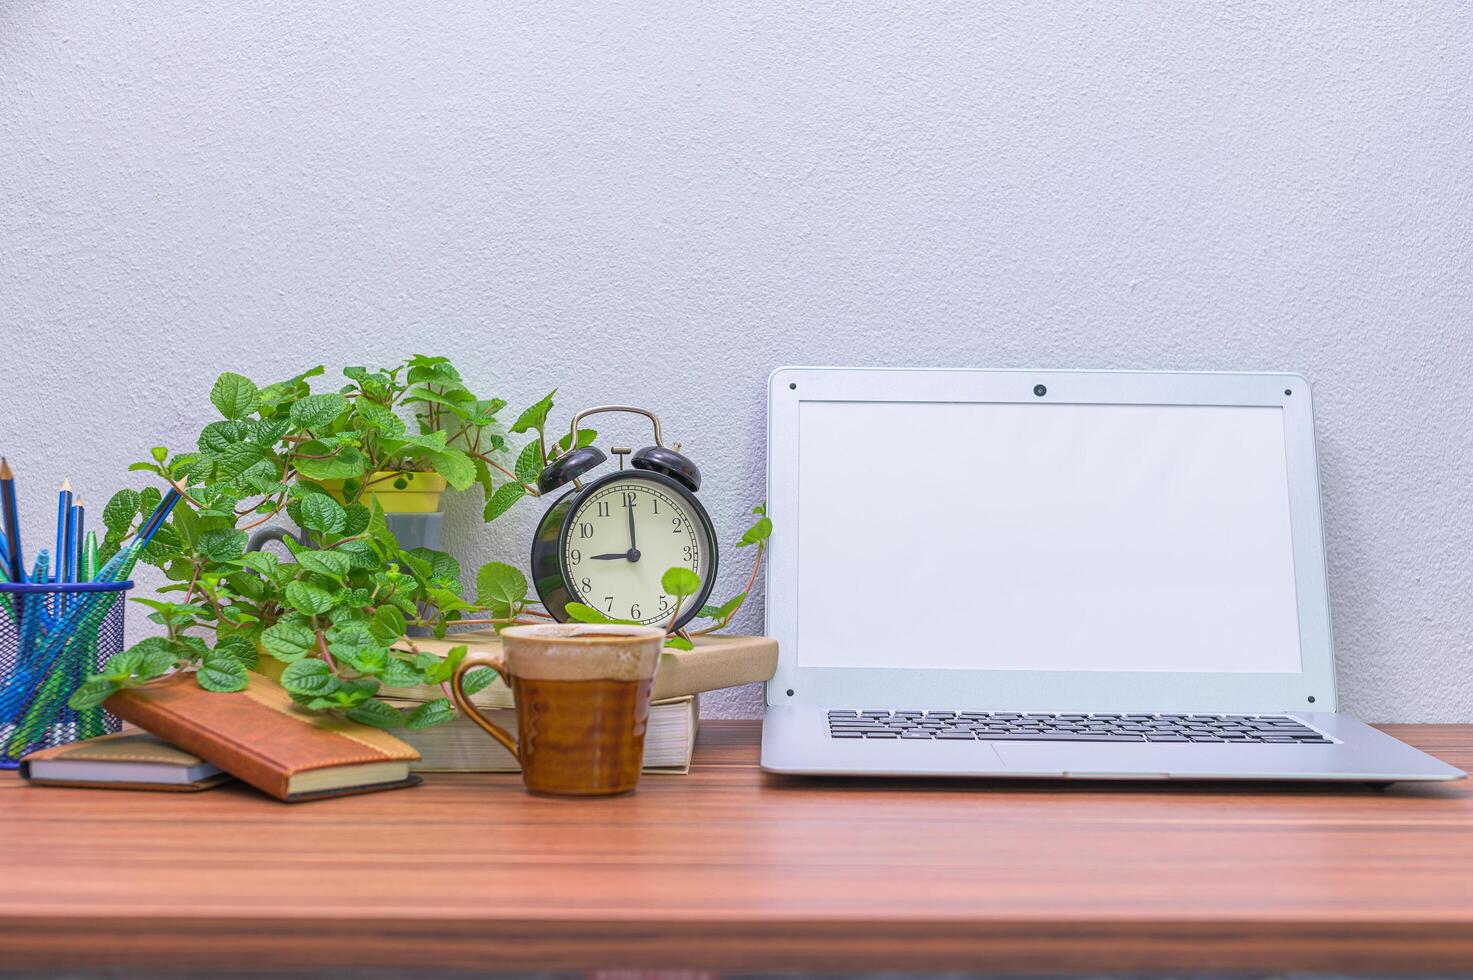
x: 729, y: 869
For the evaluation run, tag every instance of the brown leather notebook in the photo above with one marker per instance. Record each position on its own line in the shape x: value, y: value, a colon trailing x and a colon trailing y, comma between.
x: 122, y: 760
x: 260, y: 737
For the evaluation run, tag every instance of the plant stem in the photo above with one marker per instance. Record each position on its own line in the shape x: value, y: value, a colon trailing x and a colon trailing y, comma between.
x: 322, y: 650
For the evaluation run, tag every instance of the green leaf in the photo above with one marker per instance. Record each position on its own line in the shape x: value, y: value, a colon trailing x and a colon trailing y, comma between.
x: 455, y: 466
x: 397, y: 673
x: 500, y: 586
x: 477, y: 680
x: 222, y: 544
x: 585, y: 438
x: 322, y: 513
x: 380, y: 418
x: 502, y: 500
x: 236, y: 459
x: 677, y: 642
x: 388, y: 624
x: 153, y: 657
x: 367, y: 660
x: 309, y: 677
x: 333, y: 564
x: 318, y: 411
x: 220, y: 436
x: 261, y: 562
x: 534, y: 417
x: 93, y: 692
x: 118, y: 515
x: 288, y: 642
x: 241, y: 649
x: 728, y: 608
x: 376, y: 713
x: 159, y: 453
x: 236, y: 396
x: 446, y: 601
x: 430, y: 714
x: 530, y: 463
x: 183, y: 519
x: 378, y: 527
x: 309, y: 599
x: 581, y: 613
x: 443, y: 566
x: 757, y: 532
x: 357, y: 520
x: 222, y: 673
x: 680, y: 582
x: 440, y: 672
x: 345, y: 464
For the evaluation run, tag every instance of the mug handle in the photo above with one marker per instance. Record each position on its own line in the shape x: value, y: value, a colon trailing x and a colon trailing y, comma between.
x: 496, y: 662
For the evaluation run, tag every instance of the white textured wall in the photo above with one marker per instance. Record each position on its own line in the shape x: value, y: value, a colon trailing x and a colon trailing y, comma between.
x: 658, y: 202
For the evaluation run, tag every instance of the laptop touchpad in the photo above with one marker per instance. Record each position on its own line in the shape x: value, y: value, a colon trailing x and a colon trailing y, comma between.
x: 1097, y: 759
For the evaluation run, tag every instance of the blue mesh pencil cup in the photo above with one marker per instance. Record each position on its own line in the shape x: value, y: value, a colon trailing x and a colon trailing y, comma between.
x: 52, y: 635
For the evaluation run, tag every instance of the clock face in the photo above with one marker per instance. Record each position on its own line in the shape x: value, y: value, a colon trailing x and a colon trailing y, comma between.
x: 622, y: 538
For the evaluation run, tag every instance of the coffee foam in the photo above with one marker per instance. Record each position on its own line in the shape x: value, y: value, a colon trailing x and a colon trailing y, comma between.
x: 582, y: 651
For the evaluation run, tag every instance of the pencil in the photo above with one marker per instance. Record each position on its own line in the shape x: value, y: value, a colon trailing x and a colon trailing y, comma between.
x: 63, y: 515
x: 156, y: 519
x: 89, y: 557
x: 79, y: 525
x: 16, y: 558
x: 5, y: 577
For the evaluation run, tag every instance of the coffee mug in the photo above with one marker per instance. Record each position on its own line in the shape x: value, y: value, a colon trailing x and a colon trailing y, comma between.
x: 583, y: 702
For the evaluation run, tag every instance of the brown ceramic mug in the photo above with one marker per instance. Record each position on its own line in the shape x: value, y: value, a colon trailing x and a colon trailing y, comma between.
x: 583, y: 702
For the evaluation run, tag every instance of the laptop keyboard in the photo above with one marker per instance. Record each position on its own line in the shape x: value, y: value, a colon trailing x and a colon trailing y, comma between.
x: 1013, y: 726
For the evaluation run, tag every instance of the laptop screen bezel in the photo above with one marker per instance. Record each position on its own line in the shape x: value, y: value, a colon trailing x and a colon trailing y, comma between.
x: 1311, y: 688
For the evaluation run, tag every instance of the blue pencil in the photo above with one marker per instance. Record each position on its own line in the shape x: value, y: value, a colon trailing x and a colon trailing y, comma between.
x: 15, y: 568
x: 16, y: 558
x: 63, y: 516
x: 79, y: 530
x: 5, y: 577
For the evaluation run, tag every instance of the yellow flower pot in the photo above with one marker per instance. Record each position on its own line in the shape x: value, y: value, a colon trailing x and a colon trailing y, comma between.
x: 421, y: 494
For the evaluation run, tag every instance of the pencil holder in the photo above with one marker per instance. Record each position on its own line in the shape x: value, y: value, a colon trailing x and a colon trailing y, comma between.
x: 52, y: 635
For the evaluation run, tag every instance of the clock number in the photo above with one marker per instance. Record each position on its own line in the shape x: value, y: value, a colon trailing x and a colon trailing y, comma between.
x: 610, y: 600
x: 603, y: 508
x: 585, y: 530
x: 664, y: 604
x: 656, y: 502
x: 587, y: 586
x: 628, y: 498
x: 634, y: 612
x: 575, y: 556
x: 690, y: 552
x: 676, y: 522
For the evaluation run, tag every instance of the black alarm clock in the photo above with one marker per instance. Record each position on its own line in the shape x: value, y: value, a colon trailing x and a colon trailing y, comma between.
x: 608, y: 542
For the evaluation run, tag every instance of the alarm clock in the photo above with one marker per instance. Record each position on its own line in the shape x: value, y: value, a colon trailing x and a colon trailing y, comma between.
x: 608, y: 542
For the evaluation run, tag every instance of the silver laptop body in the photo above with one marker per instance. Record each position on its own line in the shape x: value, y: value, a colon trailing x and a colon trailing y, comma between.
x: 1077, y: 574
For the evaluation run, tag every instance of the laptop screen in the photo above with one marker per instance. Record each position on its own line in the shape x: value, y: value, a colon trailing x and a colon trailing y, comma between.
x: 1003, y: 536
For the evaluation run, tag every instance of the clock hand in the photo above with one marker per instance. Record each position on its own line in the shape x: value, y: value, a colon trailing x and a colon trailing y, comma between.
x: 633, y: 548
x: 616, y: 555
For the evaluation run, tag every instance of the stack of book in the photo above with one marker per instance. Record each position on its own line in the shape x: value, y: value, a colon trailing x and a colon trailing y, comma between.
x: 716, y: 662
x: 198, y: 739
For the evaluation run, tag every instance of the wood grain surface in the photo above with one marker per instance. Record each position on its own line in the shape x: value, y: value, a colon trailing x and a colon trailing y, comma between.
x: 731, y: 869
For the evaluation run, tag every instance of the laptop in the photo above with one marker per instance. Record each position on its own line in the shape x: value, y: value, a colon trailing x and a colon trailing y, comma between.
x: 1054, y: 574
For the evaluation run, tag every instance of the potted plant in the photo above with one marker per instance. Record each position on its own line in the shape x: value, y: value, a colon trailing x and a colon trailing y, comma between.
x: 336, y: 612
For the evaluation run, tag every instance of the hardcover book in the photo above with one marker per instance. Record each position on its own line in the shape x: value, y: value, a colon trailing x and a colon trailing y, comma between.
x: 716, y: 662
x: 122, y: 760
x: 259, y: 736
x: 460, y: 746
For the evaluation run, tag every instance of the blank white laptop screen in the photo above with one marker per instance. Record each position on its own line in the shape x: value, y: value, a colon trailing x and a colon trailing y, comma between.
x: 1045, y: 537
